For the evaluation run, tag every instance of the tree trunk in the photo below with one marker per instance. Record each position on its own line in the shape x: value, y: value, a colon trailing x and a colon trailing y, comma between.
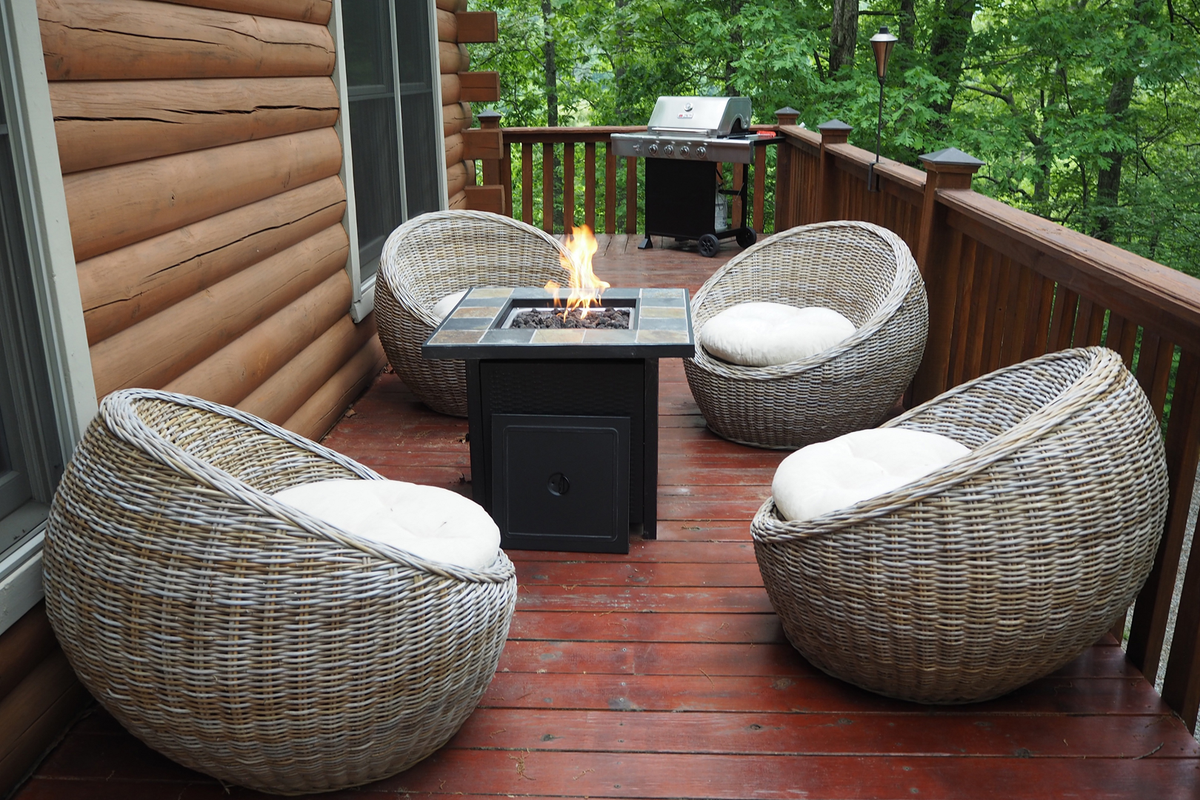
x: 908, y: 22
x: 622, y: 110
x: 1122, y: 72
x: 947, y: 46
x: 550, y: 69
x: 843, y: 35
x: 735, y: 8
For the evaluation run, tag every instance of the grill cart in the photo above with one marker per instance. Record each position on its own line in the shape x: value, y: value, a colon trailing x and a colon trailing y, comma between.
x: 685, y: 139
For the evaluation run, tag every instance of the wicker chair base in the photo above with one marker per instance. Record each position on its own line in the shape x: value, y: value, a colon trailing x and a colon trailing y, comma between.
x: 999, y: 568
x: 239, y: 636
x: 861, y: 270
x: 439, y: 253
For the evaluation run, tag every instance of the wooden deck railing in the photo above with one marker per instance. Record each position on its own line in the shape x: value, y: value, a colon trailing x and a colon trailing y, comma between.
x: 1004, y: 286
x: 534, y: 191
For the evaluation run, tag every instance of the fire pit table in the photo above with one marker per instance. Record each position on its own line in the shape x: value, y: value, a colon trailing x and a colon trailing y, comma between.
x: 564, y: 422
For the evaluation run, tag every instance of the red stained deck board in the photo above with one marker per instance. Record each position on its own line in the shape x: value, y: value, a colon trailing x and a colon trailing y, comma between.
x: 657, y: 551
x: 550, y: 573
x: 622, y: 598
x: 622, y: 657
x: 804, y: 694
x: 681, y: 628
x: 665, y: 775
x: 645, y: 626
x: 949, y: 734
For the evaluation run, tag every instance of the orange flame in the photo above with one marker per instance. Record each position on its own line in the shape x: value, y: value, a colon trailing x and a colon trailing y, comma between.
x: 586, y: 288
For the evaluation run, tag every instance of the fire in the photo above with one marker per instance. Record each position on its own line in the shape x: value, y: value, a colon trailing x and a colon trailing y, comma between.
x: 586, y: 288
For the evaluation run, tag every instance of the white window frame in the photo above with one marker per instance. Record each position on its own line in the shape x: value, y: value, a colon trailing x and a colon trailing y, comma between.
x: 47, y: 231
x: 362, y: 300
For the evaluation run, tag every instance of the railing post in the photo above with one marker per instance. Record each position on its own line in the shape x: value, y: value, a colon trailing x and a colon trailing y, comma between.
x: 785, y: 200
x: 486, y: 144
x: 833, y: 132
x: 937, y: 257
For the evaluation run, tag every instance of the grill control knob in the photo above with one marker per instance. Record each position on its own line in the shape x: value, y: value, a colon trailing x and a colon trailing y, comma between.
x: 685, y: 150
x: 653, y: 148
x: 701, y: 151
x: 669, y: 149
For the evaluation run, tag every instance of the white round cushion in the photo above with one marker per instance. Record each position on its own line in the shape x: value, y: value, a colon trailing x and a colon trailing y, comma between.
x: 766, y: 334
x: 444, y: 306
x: 826, y: 476
x: 433, y: 523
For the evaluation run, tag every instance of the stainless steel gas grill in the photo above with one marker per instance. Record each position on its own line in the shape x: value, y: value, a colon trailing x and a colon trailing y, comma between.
x: 684, y: 141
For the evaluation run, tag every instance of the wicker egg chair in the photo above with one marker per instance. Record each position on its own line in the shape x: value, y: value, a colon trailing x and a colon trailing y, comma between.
x: 858, y: 269
x: 440, y: 253
x: 998, y: 568
x: 241, y: 637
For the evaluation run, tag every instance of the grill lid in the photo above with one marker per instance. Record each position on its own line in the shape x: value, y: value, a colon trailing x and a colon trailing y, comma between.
x: 707, y: 116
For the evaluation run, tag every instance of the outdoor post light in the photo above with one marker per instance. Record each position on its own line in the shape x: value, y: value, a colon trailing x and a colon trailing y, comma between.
x: 882, y: 43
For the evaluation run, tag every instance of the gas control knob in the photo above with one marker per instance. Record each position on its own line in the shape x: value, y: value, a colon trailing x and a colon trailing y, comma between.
x: 669, y: 149
x: 701, y: 151
x: 683, y: 151
x: 653, y: 148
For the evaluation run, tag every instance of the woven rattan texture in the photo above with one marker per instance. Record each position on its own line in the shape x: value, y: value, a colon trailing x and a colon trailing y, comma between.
x: 1000, y: 567
x: 239, y: 636
x: 861, y: 270
x: 440, y: 253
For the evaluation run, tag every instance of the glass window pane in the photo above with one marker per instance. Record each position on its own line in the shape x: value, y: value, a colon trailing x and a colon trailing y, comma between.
x: 376, y: 177
x: 368, y: 47
x: 412, y: 42
x: 423, y: 156
x: 422, y: 153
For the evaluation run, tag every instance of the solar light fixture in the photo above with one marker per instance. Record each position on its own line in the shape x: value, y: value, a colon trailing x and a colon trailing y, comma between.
x: 882, y: 44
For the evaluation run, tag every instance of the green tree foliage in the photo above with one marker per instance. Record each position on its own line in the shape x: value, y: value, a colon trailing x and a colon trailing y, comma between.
x: 1087, y: 112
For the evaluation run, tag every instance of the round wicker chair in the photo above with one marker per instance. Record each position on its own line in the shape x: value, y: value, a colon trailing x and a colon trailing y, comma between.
x: 440, y: 253
x: 861, y: 270
x: 1000, y: 567
x: 241, y: 637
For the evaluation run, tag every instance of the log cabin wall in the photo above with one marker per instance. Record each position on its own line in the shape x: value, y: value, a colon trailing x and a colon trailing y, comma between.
x: 201, y: 168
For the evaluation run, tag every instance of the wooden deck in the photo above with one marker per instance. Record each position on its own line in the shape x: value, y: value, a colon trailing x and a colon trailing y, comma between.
x: 664, y: 673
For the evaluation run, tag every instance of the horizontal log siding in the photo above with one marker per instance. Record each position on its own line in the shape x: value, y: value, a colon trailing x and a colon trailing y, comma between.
x: 310, y: 369
x: 324, y: 408
x: 116, y: 206
x: 101, y: 123
x: 316, y: 11
x: 143, y: 40
x: 128, y: 285
x: 200, y: 166
x: 241, y: 366
x: 164, y: 346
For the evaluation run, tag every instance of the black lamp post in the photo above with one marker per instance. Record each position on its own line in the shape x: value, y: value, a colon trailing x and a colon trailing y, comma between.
x: 882, y: 43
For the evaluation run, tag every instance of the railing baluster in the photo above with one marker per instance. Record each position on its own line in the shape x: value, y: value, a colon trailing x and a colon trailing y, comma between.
x: 1063, y: 322
x: 1154, y: 369
x: 984, y: 264
x: 736, y: 185
x: 1017, y: 314
x: 568, y: 186
x: 1042, y: 294
x: 610, y: 190
x: 589, y: 185
x: 548, y: 187
x: 760, y: 187
x: 997, y: 306
x: 527, y: 182
x: 506, y: 177
x: 962, y: 313
x: 631, y: 193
